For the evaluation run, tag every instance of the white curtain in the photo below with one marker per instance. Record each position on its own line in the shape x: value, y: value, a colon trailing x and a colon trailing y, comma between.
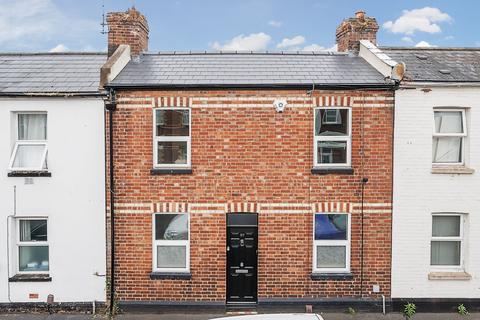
x: 445, y: 253
x: 25, y: 230
x: 446, y: 226
x: 447, y: 149
x: 32, y: 127
x: 448, y: 122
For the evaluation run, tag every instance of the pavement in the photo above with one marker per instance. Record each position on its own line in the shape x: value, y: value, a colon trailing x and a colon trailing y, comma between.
x: 326, y: 316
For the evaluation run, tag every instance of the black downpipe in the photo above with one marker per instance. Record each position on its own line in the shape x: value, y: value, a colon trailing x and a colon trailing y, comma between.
x: 111, y: 107
x: 364, y: 181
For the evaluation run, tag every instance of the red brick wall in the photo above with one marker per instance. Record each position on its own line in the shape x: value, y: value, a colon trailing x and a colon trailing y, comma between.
x: 243, y: 151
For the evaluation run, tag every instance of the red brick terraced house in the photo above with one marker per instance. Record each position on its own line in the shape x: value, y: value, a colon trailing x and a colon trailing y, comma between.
x: 244, y: 178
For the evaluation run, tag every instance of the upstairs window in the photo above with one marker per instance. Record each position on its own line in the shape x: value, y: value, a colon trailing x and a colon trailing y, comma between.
x: 447, y: 240
x: 172, y: 138
x: 449, y: 137
x: 171, y: 245
x: 332, y: 140
x: 331, y: 250
x: 30, y: 150
x: 32, y: 246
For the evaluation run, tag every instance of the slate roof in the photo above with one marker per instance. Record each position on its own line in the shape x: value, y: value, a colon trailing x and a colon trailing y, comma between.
x: 222, y: 69
x: 50, y: 73
x: 438, y: 64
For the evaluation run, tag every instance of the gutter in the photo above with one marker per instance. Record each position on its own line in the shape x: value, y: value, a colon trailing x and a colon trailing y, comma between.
x: 248, y: 86
x: 53, y: 94
x: 442, y: 84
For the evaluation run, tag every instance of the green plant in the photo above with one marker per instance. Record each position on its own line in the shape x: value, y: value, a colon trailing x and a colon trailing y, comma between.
x: 462, y: 310
x: 351, y: 311
x: 110, y: 313
x: 409, y: 310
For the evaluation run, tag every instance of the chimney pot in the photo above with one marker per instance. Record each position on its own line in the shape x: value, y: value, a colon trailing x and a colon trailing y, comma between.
x: 360, y: 14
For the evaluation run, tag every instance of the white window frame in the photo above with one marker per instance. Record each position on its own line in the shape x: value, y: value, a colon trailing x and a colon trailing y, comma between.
x: 347, y: 138
x: 157, y: 139
x: 463, y: 135
x: 156, y: 243
x: 30, y: 244
x: 460, y: 238
x: 346, y: 243
x: 18, y: 143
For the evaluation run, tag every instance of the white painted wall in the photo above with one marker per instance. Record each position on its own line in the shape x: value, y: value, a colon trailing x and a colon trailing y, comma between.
x: 418, y: 193
x: 73, y: 199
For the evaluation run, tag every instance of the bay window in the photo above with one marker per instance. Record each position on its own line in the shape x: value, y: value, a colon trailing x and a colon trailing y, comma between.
x: 331, y: 250
x: 332, y: 137
x: 449, y: 136
x: 171, y: 245
x: 30, y: 150
x: 171, y: 138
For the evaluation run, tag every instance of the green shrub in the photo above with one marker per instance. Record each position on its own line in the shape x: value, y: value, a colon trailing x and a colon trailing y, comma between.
x: 409, y: 310
x: 462, y: 310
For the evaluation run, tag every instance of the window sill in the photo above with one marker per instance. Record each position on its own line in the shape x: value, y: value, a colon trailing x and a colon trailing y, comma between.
x: 332, y: 170
x: 39, y: 277
x: 331, y: 276
x: 451, y: 169
x: 171, y: 275
x: 161, y: 171
x: 449, y: 276
x: 32, y: 174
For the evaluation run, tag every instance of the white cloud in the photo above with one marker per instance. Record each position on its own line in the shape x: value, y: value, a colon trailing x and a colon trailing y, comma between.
x: 333, y: 48
x: 25, y: 19
x: 275, y: 23
x: 317, y: 47
x: 252, y: 42
x: 28, y: 23
x: 425, y: 20
x: 424, y: 44
x: 449, y: 38
x: 407, y: 39
x: 291, y: 43
x: 314, y: 47
x: 59, y: 48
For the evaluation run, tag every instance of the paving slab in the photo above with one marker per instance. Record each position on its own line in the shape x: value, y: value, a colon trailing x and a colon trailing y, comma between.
x: 152, y: 316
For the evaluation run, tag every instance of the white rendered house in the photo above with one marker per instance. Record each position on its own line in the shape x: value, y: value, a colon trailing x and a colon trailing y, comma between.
x: 436, y: 202
x: 52, y: 179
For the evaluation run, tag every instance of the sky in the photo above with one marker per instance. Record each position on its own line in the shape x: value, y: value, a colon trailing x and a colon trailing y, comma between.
x: 183, y: 25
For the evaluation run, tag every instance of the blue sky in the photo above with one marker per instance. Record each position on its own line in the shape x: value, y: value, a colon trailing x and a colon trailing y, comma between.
x: 68, y: 25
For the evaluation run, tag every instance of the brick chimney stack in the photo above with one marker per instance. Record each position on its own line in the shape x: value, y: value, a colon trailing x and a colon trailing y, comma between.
x: 129, y: 28
x: 352, y: 30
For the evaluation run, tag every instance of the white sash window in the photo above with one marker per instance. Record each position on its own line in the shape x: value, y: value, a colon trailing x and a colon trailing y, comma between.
x: 449, y: 136
x: 332, y: 137
x: 171, y: 138
x: 171, y: 244
x: 331, y: 239
x: 30, y: 150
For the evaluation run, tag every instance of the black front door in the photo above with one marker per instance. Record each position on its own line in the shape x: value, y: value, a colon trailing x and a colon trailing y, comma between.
x: 242, y: 241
